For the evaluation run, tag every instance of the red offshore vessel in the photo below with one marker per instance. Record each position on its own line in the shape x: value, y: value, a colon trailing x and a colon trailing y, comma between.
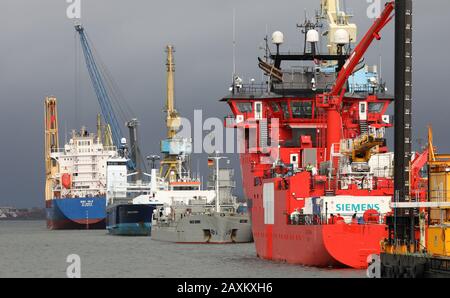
x: 316, y: 170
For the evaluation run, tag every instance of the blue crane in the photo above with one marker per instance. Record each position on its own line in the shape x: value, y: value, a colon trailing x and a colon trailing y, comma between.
x: 100, y: 90
x: 105, y: 103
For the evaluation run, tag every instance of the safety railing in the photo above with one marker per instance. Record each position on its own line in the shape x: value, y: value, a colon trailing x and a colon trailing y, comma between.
x: 103, y: 149
x: 328, y: 219
x: 249, y: 89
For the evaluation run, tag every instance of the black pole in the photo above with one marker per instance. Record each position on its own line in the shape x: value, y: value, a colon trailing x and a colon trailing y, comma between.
x: 403, y: 104
x: 134, y: 148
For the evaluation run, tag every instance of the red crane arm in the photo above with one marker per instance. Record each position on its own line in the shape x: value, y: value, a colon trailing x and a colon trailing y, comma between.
x: 416, y: 165
x: 360, y: 50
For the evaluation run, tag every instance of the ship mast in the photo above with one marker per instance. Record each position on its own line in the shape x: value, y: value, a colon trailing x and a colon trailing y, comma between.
x: 51, y: 144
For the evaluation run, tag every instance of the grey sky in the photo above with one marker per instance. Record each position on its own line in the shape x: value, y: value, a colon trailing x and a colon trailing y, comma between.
x: 38, y: 52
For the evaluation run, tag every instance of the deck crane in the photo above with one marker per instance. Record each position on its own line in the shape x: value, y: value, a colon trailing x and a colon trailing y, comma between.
x: 362, y: 148
x: 51, y: 145
x: 332, y: 101
x: 112, y: 124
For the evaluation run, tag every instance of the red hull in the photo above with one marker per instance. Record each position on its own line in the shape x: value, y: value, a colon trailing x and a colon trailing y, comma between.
x: 302, y: 245
x: 351, y: 244
x: 92, y: 224
x: 336, y: 245
x: 319, y: 245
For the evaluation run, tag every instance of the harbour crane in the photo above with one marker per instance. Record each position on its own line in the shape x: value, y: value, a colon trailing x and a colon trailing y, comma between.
x: 99, y: 87
x: 113, y: 129
x: 174, y: 148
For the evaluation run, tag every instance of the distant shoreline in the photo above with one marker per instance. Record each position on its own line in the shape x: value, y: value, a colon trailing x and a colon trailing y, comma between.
x: 14, y: 213
x: 22, y: 219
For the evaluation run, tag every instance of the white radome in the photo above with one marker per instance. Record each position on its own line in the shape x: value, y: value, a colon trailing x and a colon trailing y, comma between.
x: 277, y: 37
x: 312, y: 36
x: 341, y: 36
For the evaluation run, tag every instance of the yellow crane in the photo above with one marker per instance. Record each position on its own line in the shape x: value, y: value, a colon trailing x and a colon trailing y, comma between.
x: 51, y: 144
x: 104, y: 134
x: 170, y: 163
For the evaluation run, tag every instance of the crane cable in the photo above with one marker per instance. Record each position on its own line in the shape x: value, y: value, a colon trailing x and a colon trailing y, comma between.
x: 76, y: 79
x: 119, y: 104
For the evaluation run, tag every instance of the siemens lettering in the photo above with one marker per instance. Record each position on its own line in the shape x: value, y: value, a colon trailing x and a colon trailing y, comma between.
x: 347, y: 206
x: 356, y: 207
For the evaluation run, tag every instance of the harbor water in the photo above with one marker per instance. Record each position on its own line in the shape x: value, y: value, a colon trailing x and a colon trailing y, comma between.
x: 28, y: 249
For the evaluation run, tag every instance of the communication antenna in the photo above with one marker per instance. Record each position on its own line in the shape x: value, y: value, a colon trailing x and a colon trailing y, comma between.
x: 344, y: 4
x: 266, y: 50
x: 198, y: 169
x: 266, y: 39
x: 234, y: 47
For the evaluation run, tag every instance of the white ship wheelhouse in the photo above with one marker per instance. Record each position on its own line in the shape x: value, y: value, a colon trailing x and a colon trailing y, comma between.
x: 83, y: 164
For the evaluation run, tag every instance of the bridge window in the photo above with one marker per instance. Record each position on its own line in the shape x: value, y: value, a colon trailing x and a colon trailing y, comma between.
x: 187, y: 187
x: 244, y: 107
x: 302, y: 109
x: 275, y: 107
x: 375, y: 107
x: 116, y: 163
x: 285, y: 108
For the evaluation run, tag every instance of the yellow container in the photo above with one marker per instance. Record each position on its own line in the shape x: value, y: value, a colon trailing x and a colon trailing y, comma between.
x: 438, y: 242
x: 439, y: 191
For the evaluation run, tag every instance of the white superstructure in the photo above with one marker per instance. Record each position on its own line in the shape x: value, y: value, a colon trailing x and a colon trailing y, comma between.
x: 156, y: 191
x: 82, y: 166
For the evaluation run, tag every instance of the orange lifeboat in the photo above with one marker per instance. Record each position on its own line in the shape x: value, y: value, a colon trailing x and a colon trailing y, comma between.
x: 66, y: 181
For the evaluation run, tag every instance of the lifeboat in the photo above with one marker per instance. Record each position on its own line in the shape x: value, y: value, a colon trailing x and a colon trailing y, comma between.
x: 66, y: 181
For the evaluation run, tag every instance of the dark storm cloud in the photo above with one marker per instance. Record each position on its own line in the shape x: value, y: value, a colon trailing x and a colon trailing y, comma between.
x: 37, y: 53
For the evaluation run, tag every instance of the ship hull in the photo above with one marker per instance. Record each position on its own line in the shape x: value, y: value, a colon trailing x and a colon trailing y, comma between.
x: 338, y: 245
x: 212, y: 229
x: 318, y: 245
x: 76, y: 213
x: 129, y: 220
